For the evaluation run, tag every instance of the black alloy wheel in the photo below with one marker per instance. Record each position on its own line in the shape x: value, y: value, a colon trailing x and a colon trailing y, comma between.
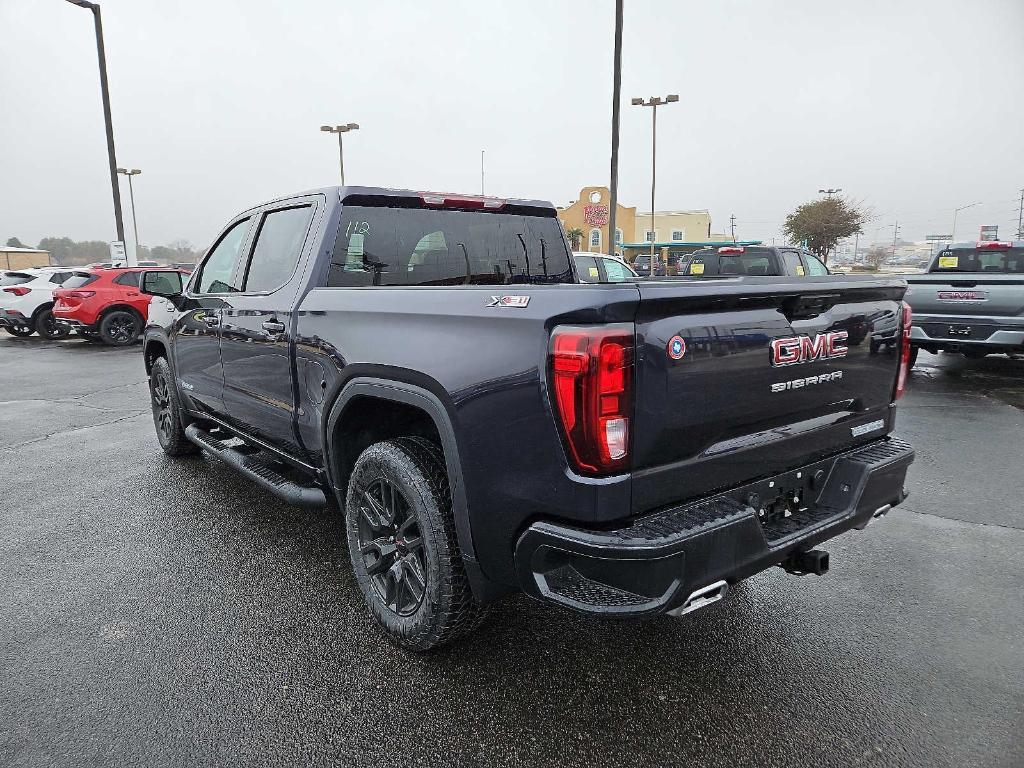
x: 120, y: 328
x: 392, y: 548
x: 48, y: 327
x: 163, y: 417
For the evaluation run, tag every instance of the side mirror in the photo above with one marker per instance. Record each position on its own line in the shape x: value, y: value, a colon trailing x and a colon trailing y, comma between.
x: 164, y: 283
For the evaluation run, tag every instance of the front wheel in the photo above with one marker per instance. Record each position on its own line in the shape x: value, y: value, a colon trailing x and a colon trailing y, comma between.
x: 167, y: 411
x: 402, y: 542
x: 48, y: 327
x: 119, y: 328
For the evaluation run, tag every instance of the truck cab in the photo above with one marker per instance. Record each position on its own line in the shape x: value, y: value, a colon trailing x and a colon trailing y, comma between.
x: 752, y: 261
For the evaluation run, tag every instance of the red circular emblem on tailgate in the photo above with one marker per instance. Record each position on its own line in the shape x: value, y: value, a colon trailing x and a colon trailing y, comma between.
x: 676, y: 347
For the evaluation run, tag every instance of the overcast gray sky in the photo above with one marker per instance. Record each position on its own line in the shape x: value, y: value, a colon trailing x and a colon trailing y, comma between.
x: 913, y: 106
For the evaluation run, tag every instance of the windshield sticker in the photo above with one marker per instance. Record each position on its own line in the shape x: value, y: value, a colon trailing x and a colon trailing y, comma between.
x: 800, y: 269
x: 949, y: 262
x: 696, y: 269
x: 593, y: 272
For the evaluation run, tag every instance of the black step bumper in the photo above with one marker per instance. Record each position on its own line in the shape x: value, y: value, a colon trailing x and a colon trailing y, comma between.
x: 654, y: 563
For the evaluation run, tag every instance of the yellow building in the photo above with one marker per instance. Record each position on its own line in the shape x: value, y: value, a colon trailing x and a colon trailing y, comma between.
x: 590, y: 214
x: 23, y: 258
x: 673, y: 227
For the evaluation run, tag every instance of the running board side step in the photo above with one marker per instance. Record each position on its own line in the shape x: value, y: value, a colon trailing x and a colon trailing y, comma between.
x: 257, y: 469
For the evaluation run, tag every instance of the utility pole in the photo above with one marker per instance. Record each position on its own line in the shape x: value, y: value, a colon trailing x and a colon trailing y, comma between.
x: 613, y: 203
x: 895, y: 234
x: 654, y: 102
x: 340, y: 129
x: 104, y: 90
x: 481, y: 172
x: 856, y: 242
x: 1020, y: 217
x: 133, y: 259
x: 732, y: 226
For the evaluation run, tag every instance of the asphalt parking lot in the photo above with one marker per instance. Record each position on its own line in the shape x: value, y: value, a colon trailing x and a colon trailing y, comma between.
x: 157, y: 612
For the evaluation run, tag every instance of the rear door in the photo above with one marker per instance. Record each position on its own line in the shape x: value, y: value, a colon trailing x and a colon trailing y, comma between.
x: 774, y: 375
x: 257, y: 326
x: 195, y: 332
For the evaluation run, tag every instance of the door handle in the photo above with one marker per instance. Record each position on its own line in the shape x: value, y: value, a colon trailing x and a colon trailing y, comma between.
x: 273, y: 326
x: 211, y: 320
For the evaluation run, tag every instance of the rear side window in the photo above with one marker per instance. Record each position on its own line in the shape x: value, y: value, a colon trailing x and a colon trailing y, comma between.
x: 15, y: 278
x: 380, y: 246
x: 79, y: 280
x: 587, y: 269
x: 219, y: 267
x: 793, y: 265
x: 130, y: 279
x: 278, y: 244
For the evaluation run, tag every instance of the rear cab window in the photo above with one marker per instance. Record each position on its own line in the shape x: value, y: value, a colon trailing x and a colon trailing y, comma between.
x: 401, y: 246
x: 1009, y: 260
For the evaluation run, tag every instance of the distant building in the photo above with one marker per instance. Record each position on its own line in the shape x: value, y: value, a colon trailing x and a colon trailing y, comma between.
x: 23, y: 258
x: 590, y: 213
x: 674, y: 226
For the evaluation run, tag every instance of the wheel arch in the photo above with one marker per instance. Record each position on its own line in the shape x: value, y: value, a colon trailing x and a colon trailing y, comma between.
x: 403, y: 395
x: 124, y: 307
x: 151, y: 350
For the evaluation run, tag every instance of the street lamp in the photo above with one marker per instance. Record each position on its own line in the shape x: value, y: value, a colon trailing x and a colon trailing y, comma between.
x: 97, y: 22
x: 135, y: 222
x: 829, y: 191
x: 952, y: 236
x: 340, y: 129
x: 654, y: 102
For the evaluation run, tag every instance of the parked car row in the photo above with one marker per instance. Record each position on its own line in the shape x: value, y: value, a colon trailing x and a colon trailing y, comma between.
x: 99, y: 304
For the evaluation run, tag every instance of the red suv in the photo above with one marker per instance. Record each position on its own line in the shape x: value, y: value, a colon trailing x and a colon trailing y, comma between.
x: 105, y: 304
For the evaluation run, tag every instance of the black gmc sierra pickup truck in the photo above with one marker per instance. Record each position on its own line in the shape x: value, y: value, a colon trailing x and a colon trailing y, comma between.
x: 488, y: 423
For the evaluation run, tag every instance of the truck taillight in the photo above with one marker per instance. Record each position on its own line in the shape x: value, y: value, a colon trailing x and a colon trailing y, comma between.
x: 592, y: 387
x: 18, y: 291
x: 901, y: 379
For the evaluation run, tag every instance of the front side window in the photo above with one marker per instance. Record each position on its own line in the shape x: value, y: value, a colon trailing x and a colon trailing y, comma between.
x: 379, y: 246
x: 616, y: 271
x: 814, y: 266
x: 278, y: 244
x: 586, y: 268
x: 219, y: 267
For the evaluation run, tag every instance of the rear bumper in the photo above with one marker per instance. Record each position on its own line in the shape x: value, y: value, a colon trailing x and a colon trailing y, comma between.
x: 655, y: 562
x: 14, y: 319
x: 971, y: 331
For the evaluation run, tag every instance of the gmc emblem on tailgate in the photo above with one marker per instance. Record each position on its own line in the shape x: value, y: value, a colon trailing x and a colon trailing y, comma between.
x: 962, y: 296
x: 794, y: 350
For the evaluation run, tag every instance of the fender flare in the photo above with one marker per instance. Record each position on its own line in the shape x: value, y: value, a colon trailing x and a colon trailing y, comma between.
x: 431, y: 404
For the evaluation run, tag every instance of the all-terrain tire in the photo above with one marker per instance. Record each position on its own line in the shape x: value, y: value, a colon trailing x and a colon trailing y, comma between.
x: 415, y: 467
x: 120, y: 328
x: 167, y: 411
x: 47, y: 327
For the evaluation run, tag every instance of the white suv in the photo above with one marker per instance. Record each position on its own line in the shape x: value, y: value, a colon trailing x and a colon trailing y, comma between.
x: 26, y: 301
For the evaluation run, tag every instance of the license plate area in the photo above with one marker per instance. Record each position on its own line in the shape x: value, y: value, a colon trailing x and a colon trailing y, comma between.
x: 960, y: 330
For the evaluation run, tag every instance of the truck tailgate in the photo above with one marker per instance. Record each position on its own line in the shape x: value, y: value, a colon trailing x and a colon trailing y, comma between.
x: 966, y: 294
x: 730, y: 409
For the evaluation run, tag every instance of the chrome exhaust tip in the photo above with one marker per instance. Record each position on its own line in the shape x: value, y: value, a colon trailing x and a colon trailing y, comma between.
x: 712, y: 593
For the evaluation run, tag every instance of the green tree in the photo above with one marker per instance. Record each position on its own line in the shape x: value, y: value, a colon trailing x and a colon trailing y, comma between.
x: 575, y: 236
x: 822, y: 223
x: 59, y: 248
x: 13, y: 242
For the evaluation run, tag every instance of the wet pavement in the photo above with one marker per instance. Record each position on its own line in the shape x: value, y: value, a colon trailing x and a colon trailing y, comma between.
x: 157, y: 612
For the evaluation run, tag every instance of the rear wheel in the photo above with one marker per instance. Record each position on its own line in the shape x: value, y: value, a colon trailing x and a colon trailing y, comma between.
x: 119, y: 328
x: 402, y: 542
x: 48, y: 327
x: 167, y: 411
x: 21, y: 331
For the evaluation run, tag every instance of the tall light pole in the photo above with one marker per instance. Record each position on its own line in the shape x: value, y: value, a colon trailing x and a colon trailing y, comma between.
x: 654, y: 102
x: 340, y: 129
x: 98, y: 23
x: 952, y: 235
x: 135, y: 222
x: 613, y: 186
x: 830, y: 191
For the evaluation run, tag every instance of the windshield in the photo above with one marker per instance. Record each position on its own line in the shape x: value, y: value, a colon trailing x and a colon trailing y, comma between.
x: 413, y: 246
x: 973, y: 260
x: 15, y: 278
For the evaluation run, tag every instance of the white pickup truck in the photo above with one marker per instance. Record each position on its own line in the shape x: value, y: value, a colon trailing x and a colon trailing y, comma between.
x: 971, y: 300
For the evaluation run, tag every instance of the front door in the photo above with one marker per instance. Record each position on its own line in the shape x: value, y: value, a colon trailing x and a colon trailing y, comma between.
x: 195, y: 332
x: 256, y: 328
